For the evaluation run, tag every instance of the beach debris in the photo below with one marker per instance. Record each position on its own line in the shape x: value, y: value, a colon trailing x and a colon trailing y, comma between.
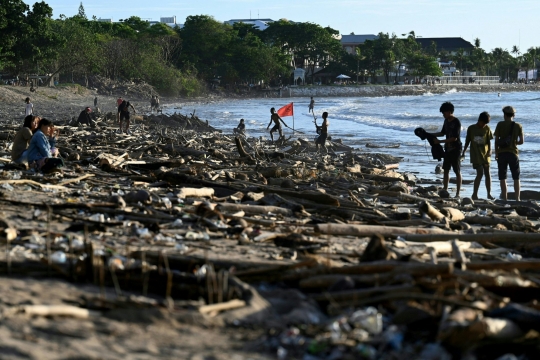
x: 341, y: 256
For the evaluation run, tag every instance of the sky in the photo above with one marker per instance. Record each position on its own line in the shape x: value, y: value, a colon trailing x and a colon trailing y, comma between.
x: 497, y: 23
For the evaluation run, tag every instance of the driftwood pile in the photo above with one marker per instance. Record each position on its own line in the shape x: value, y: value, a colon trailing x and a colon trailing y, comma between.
x: 338, y: 255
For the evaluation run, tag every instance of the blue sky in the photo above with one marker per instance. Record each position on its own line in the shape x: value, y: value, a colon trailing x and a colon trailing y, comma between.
x: 496, y: 23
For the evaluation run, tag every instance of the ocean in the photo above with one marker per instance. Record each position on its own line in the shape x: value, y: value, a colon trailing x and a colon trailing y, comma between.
x: 388, y: 121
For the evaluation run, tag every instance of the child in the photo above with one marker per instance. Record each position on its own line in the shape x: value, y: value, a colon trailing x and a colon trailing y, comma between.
x: 479, y: 136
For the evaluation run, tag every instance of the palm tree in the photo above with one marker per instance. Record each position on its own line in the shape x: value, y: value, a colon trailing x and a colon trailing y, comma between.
x: 515, y: 50
x: 498, y: 56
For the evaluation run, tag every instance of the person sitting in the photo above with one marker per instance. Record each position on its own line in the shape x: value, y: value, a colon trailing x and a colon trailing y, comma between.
x: 241, y: 128
x: 84, y: 117
x: 22, y: 139
x: 40, y: 154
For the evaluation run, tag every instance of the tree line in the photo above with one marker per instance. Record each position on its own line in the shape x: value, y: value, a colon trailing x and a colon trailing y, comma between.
x: 204, y: 52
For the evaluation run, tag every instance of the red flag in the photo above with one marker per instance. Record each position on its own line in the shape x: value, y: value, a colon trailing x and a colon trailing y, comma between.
x: 287, y: 110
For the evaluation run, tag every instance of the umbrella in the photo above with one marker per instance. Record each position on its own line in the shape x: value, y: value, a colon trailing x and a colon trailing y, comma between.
x: 343, y: 77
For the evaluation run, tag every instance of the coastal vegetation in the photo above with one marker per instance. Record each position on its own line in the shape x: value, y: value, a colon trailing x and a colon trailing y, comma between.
x: 207, y: 53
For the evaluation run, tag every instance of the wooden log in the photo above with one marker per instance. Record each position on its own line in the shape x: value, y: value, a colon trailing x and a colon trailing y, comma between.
x: 432, y: 212
x: 57, y: 310
x: 351, y: 295
x: 369, y: 230
x: 229, y: 305
x: 194, y: 192
x: 363, y: 269
x: 453, y: 214
x: 495, y: 238
x: 325, y: 281
x: 254, y: 209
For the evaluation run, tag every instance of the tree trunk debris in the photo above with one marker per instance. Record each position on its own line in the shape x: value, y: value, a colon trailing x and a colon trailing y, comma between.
x: 181, y: 211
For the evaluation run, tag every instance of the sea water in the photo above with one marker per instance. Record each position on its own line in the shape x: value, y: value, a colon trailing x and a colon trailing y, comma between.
x: 389, y: 121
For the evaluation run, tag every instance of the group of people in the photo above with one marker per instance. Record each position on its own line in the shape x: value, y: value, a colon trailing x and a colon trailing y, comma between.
x: 154, y: 103
x: 508, y: 135
x: 35, y: 144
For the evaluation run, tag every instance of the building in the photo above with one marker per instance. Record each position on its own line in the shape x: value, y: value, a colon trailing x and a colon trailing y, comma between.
x: 260, y: 24
x: 450, y: 44
x: 351, y: 42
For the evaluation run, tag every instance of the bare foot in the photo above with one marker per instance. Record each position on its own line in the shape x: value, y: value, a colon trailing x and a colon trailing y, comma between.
x: 490, y: 197
x: 474, y: 197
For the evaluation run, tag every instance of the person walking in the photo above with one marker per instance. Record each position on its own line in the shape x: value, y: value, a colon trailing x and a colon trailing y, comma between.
x: 275, y: 118
x: 125, y: 115
x: 452, y: 145
x: 311, y: 105
x: 479, y: 136
x: 508, y: 135
x: 323, y: 132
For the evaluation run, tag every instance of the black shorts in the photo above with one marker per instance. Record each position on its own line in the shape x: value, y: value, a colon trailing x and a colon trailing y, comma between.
x: 277, y: 128
x: 506, y: 159
x: 124, y: 116
x: 321, y: 139
x: 451, y: 160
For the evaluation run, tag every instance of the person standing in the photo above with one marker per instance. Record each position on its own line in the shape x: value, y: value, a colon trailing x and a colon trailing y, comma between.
x: 479, y: 136
x: 28, y: 108
x: 508, y: 135
x: 311, y: 105
x: 152, y: 103
x: 125, y: 115
x: 452, y: 145
x: 275, y: 118
x: 95, y: 102
x: 323, y: 132
x: 119, y: 102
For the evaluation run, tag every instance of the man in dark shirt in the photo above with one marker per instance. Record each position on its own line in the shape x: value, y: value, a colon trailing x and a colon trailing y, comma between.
x: 452, y: 145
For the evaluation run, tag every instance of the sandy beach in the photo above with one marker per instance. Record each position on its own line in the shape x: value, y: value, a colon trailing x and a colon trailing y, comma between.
x: 182, y: 242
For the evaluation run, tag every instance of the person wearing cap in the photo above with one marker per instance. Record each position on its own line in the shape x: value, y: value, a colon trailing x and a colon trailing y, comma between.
x: 479, y: 137
x: 508, y: 135
x: 84, y: 117
x: 241, y: 128
x: 452, y: 145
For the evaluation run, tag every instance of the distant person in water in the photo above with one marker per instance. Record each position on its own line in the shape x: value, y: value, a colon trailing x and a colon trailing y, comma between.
x: 311, y: 105
x: 241, y: 128
x: 323, y: 133
x: 479, y: 136
x: 452, y: 145
x: 275, y: 118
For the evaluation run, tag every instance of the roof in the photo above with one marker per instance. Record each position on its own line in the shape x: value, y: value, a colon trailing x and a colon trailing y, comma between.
x: 450, y: 43
x: 356, y: 39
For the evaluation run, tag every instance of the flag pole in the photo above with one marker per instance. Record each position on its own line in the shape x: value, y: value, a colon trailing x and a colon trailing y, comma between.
x: 293, y: 118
